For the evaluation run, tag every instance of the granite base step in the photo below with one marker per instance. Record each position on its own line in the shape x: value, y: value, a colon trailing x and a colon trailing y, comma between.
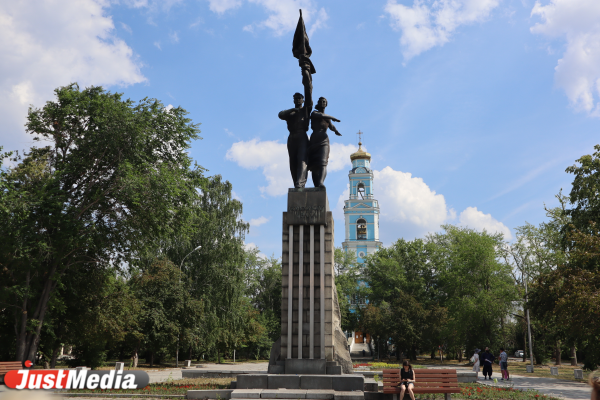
x: 303, y: 382
x: 245, y: 394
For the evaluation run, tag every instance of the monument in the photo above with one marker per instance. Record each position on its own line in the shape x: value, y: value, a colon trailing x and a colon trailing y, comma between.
x: 312, y: 341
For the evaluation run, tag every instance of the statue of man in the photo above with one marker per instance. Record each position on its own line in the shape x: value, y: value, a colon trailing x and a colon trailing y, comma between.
x: 318, y: 148
x: 297, y: 119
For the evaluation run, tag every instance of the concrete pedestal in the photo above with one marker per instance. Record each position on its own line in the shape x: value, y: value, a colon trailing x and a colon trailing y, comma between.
x: 307, y: 279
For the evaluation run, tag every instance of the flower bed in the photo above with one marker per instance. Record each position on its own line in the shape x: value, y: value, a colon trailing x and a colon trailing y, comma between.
x: 470, y: 391
x: 168, y: 388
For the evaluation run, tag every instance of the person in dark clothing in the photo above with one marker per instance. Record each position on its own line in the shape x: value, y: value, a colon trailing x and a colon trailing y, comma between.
x: 407, y: 380
x: 487, y: 359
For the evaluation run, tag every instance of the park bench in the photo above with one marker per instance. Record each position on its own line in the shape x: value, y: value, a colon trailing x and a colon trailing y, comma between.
x: 427, y: 381
x: 9, y: 366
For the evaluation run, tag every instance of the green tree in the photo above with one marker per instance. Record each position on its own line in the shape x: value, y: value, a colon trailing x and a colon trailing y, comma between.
x: 403, y: 283
x: 113, y: 179
x: 569, y: 293
x: 348, y: 278
x: 477, y: 288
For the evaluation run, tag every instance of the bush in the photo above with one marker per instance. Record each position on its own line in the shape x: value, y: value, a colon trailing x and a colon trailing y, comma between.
x: 89, y: 356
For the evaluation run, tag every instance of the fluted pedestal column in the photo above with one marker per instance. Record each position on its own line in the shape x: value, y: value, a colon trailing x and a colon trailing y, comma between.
x: 307, y: 279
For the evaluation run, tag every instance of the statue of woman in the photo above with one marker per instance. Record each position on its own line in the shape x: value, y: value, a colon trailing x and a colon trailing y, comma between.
x: 318, y: 146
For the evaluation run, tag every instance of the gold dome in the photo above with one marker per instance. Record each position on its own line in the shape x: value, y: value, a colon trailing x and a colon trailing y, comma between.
x: 360, y: 154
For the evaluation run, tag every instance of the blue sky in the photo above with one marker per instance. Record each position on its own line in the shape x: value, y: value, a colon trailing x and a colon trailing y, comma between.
x: 471, y: 109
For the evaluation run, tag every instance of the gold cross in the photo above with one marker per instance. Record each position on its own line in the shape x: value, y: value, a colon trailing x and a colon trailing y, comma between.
x: 359, y: 137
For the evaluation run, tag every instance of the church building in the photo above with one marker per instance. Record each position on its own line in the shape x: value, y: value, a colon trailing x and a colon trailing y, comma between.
x: 361, y: 214
x: 361, y: 210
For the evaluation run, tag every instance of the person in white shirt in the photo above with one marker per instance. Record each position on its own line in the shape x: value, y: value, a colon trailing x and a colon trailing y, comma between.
x: 475, y: 361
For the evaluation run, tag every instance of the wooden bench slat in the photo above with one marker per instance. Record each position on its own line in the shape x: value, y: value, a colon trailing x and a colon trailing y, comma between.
x: 436, y: 377
x: 417, y: 386
x: 426, y: 390
x: 455, y: 379
x: 434, y: 371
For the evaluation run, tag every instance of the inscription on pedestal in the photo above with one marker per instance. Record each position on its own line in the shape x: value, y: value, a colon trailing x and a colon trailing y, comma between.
x: 307, y: 206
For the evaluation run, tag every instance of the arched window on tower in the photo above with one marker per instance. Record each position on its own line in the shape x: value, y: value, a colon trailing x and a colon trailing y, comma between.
x: 360, y: 188
x: 361, y: 229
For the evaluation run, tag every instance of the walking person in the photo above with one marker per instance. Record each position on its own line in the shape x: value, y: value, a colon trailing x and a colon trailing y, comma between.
x: 503, y: 364
x: 487, y: 358
x: 475, y: 361
x: 407, y: 380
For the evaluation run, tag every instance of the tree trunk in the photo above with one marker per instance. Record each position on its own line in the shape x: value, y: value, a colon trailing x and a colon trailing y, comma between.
x: 460, y: 355
x: 151, y: 358
x: 218, y: 356
x: 525, y: 347
x: 573, y: 356
x: 32, y: 339
x: 21, y: 324
x: 558, y: 360
x: 55, y: 356
x: 433, y: 354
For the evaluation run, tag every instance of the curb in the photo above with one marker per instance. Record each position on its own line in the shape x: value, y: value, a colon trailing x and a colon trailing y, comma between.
x: 121, y: 395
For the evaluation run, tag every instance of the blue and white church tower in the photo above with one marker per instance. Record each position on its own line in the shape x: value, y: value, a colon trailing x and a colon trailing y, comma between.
x: 361, y: 210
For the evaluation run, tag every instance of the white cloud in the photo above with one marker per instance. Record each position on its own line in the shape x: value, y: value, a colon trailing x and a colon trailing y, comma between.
x: 272, y: 157
x: 430, y: 23
x: 322, y: 18
x: 283, y: 15
x: 259, y: 221
x: 174, y: 37
x: 126, y: 27
x: 475, y: 219
x: 339, y: 156
x: 51, y: 43
x: 408, y: 204
x: 410, y: 209
x: 153, y: 5
x: 220, y: 6
x: 157, y: 44
x: 578, y: 72
x: 252, y: 246
x: 235, y: 195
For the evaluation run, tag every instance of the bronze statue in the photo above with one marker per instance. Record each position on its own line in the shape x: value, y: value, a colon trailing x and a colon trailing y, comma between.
x: 318, y: 147
x: 305, y: 154
x: 297, y: 143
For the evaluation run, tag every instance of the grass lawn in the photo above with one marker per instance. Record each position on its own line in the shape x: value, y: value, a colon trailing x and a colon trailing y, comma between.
x: 543, y: 371
x: 565, y: 371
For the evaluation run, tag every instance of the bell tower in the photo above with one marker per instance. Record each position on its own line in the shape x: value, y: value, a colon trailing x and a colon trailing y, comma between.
x: 361, y: 210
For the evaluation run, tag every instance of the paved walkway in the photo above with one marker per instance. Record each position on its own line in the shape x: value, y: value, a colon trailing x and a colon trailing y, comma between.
x: 174, y: 373
x: 568, y: 390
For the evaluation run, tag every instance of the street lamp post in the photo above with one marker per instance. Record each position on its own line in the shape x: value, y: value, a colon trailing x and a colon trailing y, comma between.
x: 529, y: 329
x: 180, y: 266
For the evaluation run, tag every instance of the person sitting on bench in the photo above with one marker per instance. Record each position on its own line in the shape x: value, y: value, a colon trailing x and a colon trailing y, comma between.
x: 407, y: 380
